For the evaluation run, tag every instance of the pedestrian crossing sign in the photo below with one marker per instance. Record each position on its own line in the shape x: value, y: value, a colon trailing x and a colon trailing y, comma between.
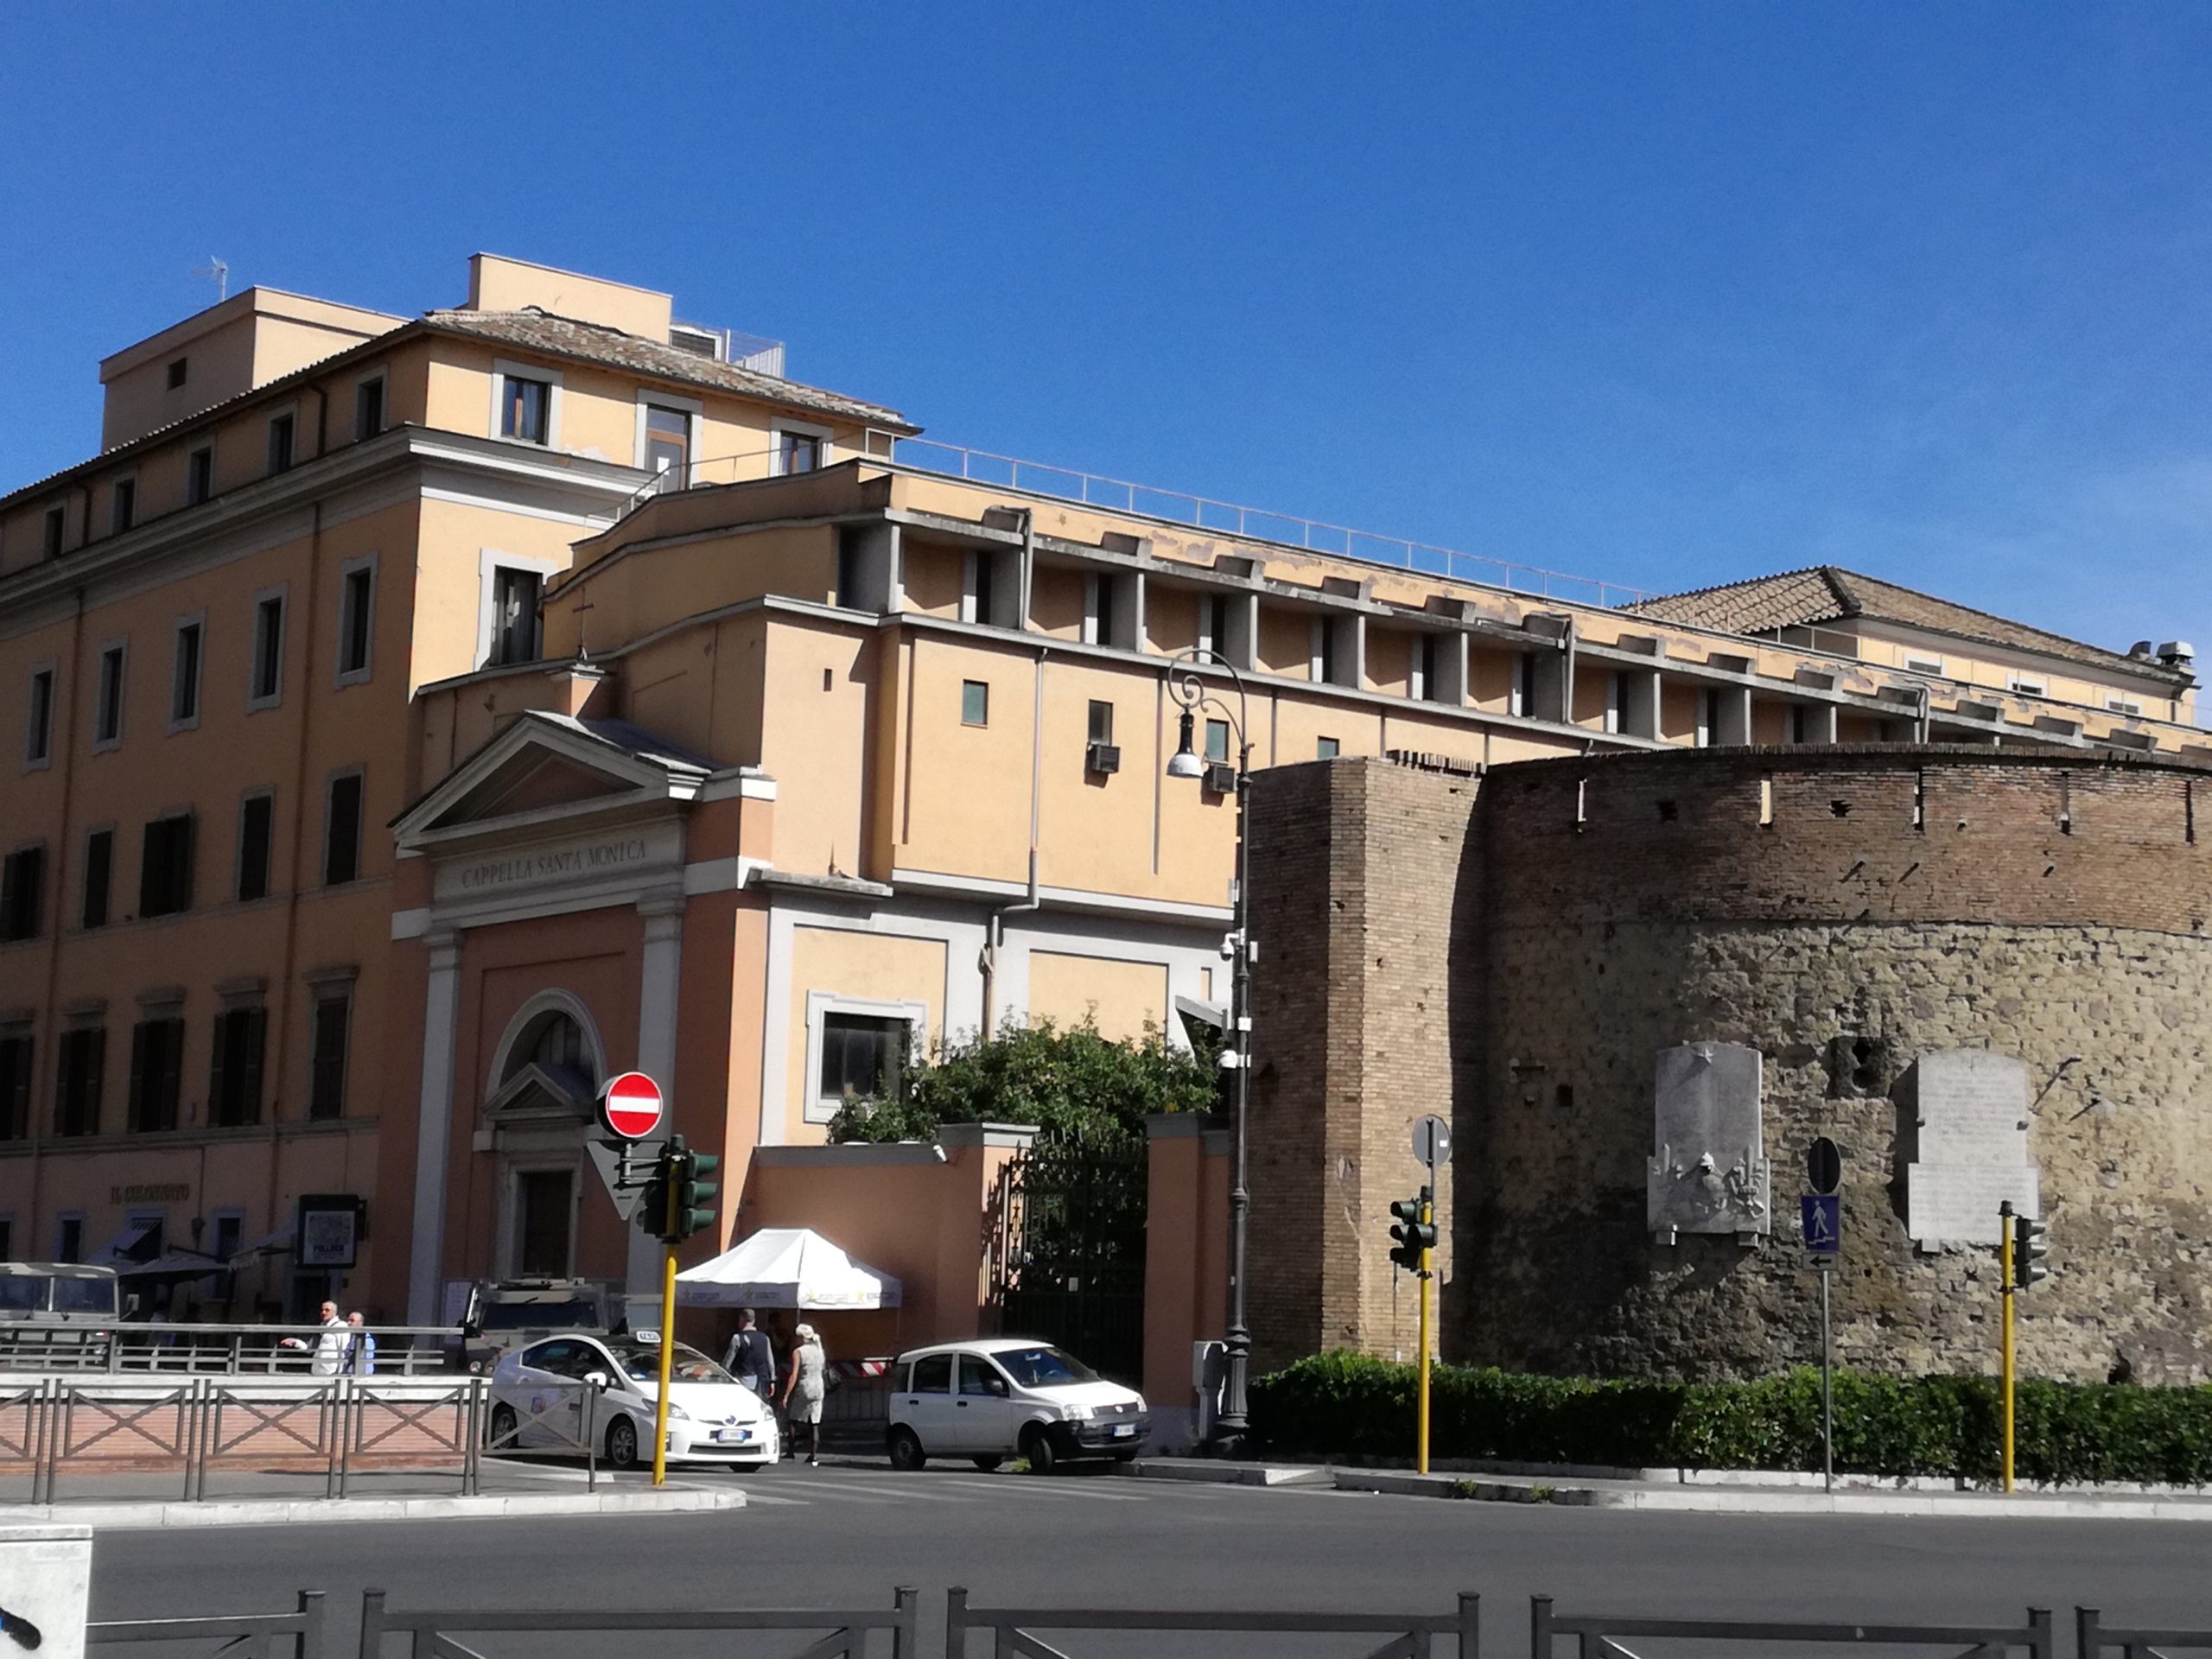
x: 1822, y: 1216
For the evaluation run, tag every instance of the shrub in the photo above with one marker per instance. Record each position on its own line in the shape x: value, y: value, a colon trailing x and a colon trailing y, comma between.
x: 1344, y: 1404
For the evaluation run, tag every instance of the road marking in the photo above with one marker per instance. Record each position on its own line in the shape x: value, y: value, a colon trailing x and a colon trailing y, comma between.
x: 1026, y: 1486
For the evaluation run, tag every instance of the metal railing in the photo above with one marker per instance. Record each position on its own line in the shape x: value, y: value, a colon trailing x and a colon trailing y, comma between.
x: 247, y: 1634
x: 584, y: 1439
x: 2092, y: 1637
x: 431, y: 1633
x: 228, y: 1349
x: 1014, y: 1629
x: 1598, y: 1636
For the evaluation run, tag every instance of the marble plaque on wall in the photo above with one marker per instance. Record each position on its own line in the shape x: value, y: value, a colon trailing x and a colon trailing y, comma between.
x: 1708, y: 1169
x: 1970, y: 1144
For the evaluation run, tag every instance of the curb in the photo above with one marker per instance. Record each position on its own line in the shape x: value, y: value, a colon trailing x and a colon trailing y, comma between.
x: 1230, y: 1474
x: 285, y: 1512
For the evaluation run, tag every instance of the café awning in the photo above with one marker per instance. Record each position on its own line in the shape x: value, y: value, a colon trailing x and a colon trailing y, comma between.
x: 785, y: 1267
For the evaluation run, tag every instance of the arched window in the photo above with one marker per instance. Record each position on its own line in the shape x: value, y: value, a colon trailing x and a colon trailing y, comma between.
x: 553, y: 1040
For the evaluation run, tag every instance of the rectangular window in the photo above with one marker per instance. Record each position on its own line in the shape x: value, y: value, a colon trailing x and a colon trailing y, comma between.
x: 1324, y: 650
x: 1101, y: 722
x: 184, y: 677
x: 976, y: 593
x: 15, y: 1086
x: 69, y: 1238
x: 122, y: 505
x: 1708, y: 717
x: 77, y: 1081
x: 1524, y: 685
x: 99, y: 876
x: 975, y: 702
x: 1923, y: 664
x: 230, y: 1234
x: 177, y: 372
x: 268, y: 682
x: 356, y: 608
x: 1424, y: 668
x: 526, y: 409
x: 797, y: 452
x: 368, y: 408
x: 2123, y: 706
x: 198, y: 477
x: 156, y: 1074
x: 57, y: 529
x: 107, y: 706
x: 861, y: 1056
x: 165, y: 866
x: 22, y: 893
x: 333, y: 1021
x: 38, y: 723
x: 341, y: 830
x: 668, y: 441
x: 1100, y: 591
x: 234, y: 1071
x: 280, y: 443
x: 2027, y: 686
x: 1213, y: 624
x: 7, y: 1238
x: 1614, y: 686
x: 515, y: 595
x: 1217, y: 741
x: 256, y: 813
x: 1326, y: 749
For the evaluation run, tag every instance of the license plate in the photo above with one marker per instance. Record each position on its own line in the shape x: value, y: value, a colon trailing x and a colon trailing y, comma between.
x: 734, y: 1436
x: 1124, y: 1429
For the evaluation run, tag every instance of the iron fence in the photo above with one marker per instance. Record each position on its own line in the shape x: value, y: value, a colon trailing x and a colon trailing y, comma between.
x: 431, y: 1633
x: 2092, y: 1637
x: 1600, y: 1635
x: 249, y: 1635
x: 1014, y: 1630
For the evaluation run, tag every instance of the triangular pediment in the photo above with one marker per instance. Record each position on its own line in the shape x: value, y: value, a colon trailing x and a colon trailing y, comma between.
x: 545, y: 767
x: 528, y: 781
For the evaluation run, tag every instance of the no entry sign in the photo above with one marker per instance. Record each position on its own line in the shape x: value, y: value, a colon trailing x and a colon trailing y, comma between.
x: 631, y: 1106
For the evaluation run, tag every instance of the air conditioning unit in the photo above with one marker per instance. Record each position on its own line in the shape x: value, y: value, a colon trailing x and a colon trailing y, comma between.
x: 1104, y: 757
x: 1221, y: 778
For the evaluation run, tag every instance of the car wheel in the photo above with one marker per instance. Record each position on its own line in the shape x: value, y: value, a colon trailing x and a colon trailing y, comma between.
x: 907, y: 1453
x: 503, y: 1428
x: 622, y: 1444
x: 987, y: 1465
x: 1036, y: 1447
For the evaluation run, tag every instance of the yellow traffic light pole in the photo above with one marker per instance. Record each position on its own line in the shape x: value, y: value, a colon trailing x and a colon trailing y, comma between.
x: 667, y: 1355
x: 1427, y: 1273
x: 2006, y: 1289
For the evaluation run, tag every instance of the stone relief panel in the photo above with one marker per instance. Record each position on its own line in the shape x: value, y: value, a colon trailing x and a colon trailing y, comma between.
x: 1967, y: 1148
x: 1708, y: 1172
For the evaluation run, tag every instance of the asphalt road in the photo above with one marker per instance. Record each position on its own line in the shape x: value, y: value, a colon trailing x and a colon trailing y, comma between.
x: 845, y: 1536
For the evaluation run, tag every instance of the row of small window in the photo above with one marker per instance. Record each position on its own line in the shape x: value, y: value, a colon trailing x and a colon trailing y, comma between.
x: 166, y: 862
x: 153, y: 1101
x: 528, y: 405
x: 975, y: 710
x: 264, y: 685
x: 200, y: 465
x: 149, y: 1227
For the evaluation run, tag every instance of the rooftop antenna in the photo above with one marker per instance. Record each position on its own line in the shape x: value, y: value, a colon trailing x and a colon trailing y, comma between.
x: 220, y: 270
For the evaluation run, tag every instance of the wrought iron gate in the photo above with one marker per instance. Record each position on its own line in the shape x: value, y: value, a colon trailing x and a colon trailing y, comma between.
x: 1071, y: 1268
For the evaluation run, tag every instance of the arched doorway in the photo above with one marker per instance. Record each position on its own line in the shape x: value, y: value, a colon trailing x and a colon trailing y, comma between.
x: 544, y: 1082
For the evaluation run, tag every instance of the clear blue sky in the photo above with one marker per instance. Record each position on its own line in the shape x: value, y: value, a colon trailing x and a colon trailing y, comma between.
x: 1666, y: 294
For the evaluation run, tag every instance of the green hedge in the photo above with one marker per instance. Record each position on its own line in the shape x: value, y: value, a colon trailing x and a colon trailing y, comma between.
x: 1342, y: 1404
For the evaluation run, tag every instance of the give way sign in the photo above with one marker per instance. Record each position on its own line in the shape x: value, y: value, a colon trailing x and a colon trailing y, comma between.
x: 631, y: 1107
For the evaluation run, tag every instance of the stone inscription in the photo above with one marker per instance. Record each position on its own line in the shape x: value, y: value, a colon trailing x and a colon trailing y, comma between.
x: 488, y: 875
x: 1970, y: 1134
x: 1708, y: 1171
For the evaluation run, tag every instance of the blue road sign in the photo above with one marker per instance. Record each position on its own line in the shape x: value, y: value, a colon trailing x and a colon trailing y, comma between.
x: 1821, y: 1214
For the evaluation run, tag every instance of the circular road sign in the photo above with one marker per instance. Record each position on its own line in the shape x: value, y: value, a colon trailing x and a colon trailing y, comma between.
x: 1824, y: 1165
x: 631, y: 1106
x: 1432, y: 1141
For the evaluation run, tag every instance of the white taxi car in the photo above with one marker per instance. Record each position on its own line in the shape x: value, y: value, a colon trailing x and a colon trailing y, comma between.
x: 987, y: 1401
x: 537, y: 1404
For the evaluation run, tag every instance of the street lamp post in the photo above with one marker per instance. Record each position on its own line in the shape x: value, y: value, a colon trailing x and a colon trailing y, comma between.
x: 1193, y: 693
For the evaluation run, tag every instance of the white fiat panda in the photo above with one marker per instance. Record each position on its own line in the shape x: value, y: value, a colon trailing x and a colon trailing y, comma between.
x: 987, y: 1400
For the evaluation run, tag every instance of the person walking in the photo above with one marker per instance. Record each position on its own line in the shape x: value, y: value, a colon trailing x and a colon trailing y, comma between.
x: 327, y: 1357
x: 360, y: 1346
x: 803, y: 1390
x: 751, y: 1358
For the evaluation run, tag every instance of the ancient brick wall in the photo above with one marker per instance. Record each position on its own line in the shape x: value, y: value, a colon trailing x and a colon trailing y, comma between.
x: 1842, y: 912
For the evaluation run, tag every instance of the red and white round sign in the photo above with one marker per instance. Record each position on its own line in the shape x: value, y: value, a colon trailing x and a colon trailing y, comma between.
x: 631, y: 1106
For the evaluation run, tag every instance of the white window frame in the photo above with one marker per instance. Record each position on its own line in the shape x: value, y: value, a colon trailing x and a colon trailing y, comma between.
x: 282, y: 594
x: 691, y: 409
x: 52, y: 668
x: 819, y: 1005
x: 489, y: 562
x: 2027, y: 685
x: 502, y: 369
x: 121, y: 647
x: 189, y: 722
x: 825, y: 452
x: 115, y: 484
x: 383, y: 404
x: 1930, y: 665
x: 344, y: 676
x: 2115, y: 704
x: 268, y: 433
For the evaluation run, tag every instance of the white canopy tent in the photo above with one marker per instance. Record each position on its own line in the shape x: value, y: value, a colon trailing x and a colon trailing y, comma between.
x: 785, y: 1267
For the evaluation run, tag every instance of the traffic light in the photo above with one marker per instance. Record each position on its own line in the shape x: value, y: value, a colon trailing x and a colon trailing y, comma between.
x: 652, y: 1202
x: 695, y: 1198
x: 1413, y: 1233
x: 2030, y: 1245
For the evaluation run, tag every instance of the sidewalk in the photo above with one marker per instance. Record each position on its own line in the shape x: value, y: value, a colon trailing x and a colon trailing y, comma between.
x: 1743, y: 1493
x: 507, y: 1489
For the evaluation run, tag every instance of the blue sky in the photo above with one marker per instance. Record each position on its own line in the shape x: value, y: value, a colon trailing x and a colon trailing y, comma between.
x: 1665, y: 294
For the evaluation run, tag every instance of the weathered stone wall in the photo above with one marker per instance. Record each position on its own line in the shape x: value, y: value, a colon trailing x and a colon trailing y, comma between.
x: 1841, y: 910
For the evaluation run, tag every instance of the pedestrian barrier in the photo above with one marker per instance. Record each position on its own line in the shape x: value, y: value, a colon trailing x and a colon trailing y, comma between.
x: 1598, y: 1637
x: 43, y: 1345
x: 1014, y: 1630
x: 2092, y: 1637
x: 505, y: 1428
x: 248, y: 1635
x: 431, y: 1634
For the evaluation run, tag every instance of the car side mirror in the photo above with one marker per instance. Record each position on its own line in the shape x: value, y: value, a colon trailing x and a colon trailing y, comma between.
x: 997, y: 1386
x: 597, y: 1379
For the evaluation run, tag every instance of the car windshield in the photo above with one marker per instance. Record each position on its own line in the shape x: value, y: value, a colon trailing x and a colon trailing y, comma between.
x: 539, y: 1316
x: 642, y: 1363
x: 75, y: 1295
x: 21, y: 1293
x: 1042, y: 1367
